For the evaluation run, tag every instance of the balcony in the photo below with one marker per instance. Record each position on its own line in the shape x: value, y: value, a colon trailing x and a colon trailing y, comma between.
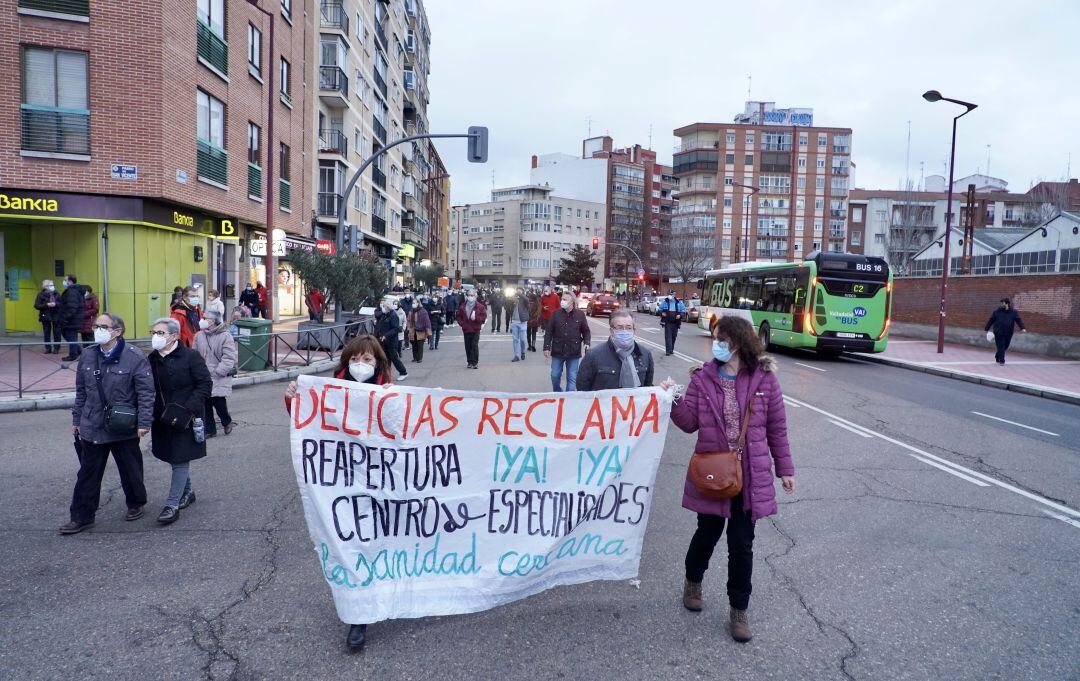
x: 254, y: 181
x: 211, y: 48
x: 212, y: 162
x: 79, y: 8
x: 773, y: 232
x: 833, y: 213
x: 378, y: 178
x: 380, y: 34
x: 333, y: 142
x: 329, y: 203
x: 837, y: 170
x: 772, y: 253
x: 285, y: 194
x: 413, y: 236
x: 333, y: 86
x: 694, y: 210
x: 380, y: 82
x: 836, y: 234
x: 776, y: 146
x: 378, y: 129
x: 841, y: 149
x: 334, y: 17
x: 696, y: 161
x: 378, y: 225
x: 53, y: 130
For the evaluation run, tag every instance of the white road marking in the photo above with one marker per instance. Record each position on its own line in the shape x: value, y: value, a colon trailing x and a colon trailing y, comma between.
x: 789, y: 402
x: 808, y: 366
x: 932, y: 459
x: 996, y: 418
x: 849, y: 428
x: 1062, y: 518
x: 650, y: 329
x: 1011, y: 363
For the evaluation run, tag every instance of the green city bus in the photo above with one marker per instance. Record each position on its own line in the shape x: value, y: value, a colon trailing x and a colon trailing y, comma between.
x: 831, y: 302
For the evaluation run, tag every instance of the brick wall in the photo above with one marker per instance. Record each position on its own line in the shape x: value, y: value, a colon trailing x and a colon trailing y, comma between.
x: 1049, y: 303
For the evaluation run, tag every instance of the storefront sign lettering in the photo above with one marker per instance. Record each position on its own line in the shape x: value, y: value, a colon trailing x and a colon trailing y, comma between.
x: 182, y: 220
x: 26, y: 203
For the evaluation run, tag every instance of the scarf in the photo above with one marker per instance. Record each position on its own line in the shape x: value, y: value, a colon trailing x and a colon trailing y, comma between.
x: 628, y: 377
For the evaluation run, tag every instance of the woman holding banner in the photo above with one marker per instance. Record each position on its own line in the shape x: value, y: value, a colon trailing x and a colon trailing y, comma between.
x: 735, y: 405
x: 363, y: 360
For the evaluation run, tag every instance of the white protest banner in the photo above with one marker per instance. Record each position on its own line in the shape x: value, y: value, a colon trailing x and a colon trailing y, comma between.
x: 435, y: 502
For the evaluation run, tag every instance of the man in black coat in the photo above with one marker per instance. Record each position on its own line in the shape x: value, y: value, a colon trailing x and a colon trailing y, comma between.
x: 249, y: 298
x: 387, y: 327
x: 621, y: 362
x: 567, y: 333
x: 72, y: 301
x: 1002, y: 322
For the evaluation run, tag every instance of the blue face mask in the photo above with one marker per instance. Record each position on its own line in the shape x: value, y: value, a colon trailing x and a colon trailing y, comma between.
x: 721, y: 351
x: 623, y: 339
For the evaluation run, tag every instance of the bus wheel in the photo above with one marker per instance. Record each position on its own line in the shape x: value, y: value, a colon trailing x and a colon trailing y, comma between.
x: 763, y: 335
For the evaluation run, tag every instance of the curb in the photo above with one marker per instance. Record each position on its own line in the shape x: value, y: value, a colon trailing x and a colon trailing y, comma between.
x: 67, y: 400
x: 1024, y: 388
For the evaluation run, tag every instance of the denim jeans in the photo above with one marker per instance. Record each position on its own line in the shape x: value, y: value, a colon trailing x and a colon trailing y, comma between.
x: 181, y: 482
x: 571, y: 364
x: 519, y: 330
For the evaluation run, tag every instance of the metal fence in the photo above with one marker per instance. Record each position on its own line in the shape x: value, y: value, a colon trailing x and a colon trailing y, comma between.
x: 25, y: 369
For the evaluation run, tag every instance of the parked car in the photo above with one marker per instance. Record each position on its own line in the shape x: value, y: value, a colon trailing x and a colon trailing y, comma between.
x: 645, y: 303
x: 583, y: 299
x: 603, y: 304
x: 692, y: 310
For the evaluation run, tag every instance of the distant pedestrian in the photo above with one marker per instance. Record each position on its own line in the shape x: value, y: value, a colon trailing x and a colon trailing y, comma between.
x: 187, y: 312
x: 519, y: 325
x: 315, y: 304
x: 450, y: 306
x: 72, y: 304
x: 114, y: 407
x: 549, y: 302
x: 217, y: 347
x: 621, y: 362
x: 495, y: 311
x: 403, y: 339
x: 261, y: 291
x: 716, y: 406
x: 418, y: 329
x: 47, y: 303
x: 249, y: 298
x: 182, y: 385
x: 671, y: 310
x: 214, y: 303
x: 177, y: 295
x: 534, y: 320
x: 1003, y: 322
x: 387, y: 330
x: 472, y: 316
x: 509, y: 303
x: 434, y: 306
x: 90, y: 313
x: 566, y: 336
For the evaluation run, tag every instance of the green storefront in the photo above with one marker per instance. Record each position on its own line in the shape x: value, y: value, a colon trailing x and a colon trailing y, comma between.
x: 131, y: 250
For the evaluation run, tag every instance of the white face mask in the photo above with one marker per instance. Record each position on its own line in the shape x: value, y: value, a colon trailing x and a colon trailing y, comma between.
x: 193, y: 301
x: 50, y: 287
x: 102, y: 336
x: 361, y: 371
x: 566, y: 304
x: 203, y: 324
x: 159, y: 342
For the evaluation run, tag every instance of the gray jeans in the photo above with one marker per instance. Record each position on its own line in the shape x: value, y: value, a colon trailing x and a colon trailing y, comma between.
x: 181, y: 483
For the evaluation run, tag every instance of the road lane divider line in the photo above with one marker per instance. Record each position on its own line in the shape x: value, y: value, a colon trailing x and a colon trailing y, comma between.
x: 1071, y: 512
x: 809, y: 366
x: 1062, y: 518
x: 998, y: 418
x: 848, y: 428
x: 950, y: 471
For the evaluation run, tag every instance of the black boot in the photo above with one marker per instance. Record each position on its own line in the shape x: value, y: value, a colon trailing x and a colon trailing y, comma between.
x: 357, y: 636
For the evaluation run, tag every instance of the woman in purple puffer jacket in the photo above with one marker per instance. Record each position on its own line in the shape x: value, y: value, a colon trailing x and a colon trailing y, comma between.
x: 713, y: 406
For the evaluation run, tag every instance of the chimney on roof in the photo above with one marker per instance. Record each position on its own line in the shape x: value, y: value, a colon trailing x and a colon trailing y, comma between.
x: 534, y: 160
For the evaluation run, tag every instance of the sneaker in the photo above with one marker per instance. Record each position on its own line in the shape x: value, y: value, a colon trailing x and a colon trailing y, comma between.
x: 402, y: 377
x: 516, y: 359
x: 168, y: 515
x: 75, y: 528
x: 187, y: 499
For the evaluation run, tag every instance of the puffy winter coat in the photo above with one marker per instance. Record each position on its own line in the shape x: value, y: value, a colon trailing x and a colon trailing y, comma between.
x: 90, y: 313
x: 476, y: 324
x: 72, y: 302
x: 188, y: 318
x: 566, y: 333
x: 41, y: 304
x: 218, y: 349
x: 1003, y: 321
x: 701, y: 410
x: 125, y: 379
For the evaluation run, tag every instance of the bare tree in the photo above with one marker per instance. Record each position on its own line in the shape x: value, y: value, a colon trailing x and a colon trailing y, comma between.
x: 687, y: 256
x: 911, y: 226
x: 1045, y: 201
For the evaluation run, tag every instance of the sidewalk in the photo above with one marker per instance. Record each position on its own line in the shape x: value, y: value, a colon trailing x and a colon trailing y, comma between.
x: 1049, y: 377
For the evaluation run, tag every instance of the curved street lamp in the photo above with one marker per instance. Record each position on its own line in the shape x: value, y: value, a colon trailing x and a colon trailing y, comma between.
x: 935, y: 96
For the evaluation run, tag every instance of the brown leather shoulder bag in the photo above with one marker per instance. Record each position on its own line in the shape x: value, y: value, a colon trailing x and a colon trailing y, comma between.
x: 719, y: 475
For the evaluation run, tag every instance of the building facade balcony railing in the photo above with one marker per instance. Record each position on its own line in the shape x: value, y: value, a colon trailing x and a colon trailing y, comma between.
x: 380, y: 82
x: 333, y: 142
x: 211, y: 47
x: 776, y: 146
x: 772, y: 253
x: 840, y: 171
x: 212, y: 162
x: 773, y: 232
x: 329, y: 203
x: 55, y: 130
x: 378, y: 129
x: 378, y: 225
x: 833, y: 213
x: 333, y: 78
x: 836, y: 234
x: 254, y: 181
x: 413, y: 236
x: 334, y: 16
x: 774, y: 212
x: 285, y: 194
x: 380, y: 34
x: 694, y: 210
x: 378, y: 178
x: 841, y: 149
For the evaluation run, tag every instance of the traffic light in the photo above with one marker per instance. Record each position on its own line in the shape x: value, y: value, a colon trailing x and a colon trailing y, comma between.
x: 478, y: 144
x: 641, y: 277
x: 595, y: 243
x: 348, y: 239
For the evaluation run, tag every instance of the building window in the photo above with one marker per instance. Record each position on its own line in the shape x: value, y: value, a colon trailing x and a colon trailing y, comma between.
x: 857, y: 214
x: 729, y: 181
x: 1070, y: 260
x: 729, y: 159
x: 749, y: 139
x: 254, y: 152
x: 211, y: 158
x: 727, y: 202
x: 212, y: 13
x: 879, y: 239
x: 856, y: 238
x: 286, y: 8
x: 804, y: 139
x: 821, y: 163
x: 70, y: 8
x: 749, y: 160
x: 822, y: 138
x: 210, y: 43
x: 54, y: 112
x: 802, y: 161
x: 819, y: 183
x: 254, y: 50
x: 731, y: 138
x: 285, y: 175
x: 286, y: 80
x: 361, y: 33
x: 819, y: 204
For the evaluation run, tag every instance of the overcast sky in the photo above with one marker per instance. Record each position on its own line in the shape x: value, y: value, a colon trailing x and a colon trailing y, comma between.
x: 535, y: 71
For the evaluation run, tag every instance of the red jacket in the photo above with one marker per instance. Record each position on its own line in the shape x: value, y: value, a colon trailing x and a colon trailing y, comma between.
x: 548, y: 304
x: 182, y: 313
x: 472, y: 325
x: 315, y: 300
x: 261, y: 290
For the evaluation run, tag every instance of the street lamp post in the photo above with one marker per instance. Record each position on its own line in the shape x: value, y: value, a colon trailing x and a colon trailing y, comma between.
x: 935, y: 96
x: 746, y: 218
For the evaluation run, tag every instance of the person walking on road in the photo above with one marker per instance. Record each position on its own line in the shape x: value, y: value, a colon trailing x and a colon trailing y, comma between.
x: 471, y: 316
x: 403, y: 339
x: 72, y: 304
x: 620, y: 362
x: 362, y: 360
x: 567, y: 333
x: 1002, y: 323
x: 418, y: 329
x: 732, y: 400
x: 114, y: 407
x: 216, y: 346
x: 387, y: 330
x: 434, y: 306
x: 90, y: 314
x: 534, y: 319
x: 519, y: 325
x: 450, y: 306
x: 47, y: 303
x: 187, y: 313
x: 671, y: 310
x: 214, y: 303
x: 182, y: 386
x: 509, y: 304
x: 250, y: 299
x: 495, y: 308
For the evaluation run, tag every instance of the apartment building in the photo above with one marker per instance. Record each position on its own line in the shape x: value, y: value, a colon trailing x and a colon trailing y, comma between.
x: 639, y: 195
x: 438, y: 210
x: 137, y: 154
x: 372, y: 76
x: 521, y: 236
x: 770, y: 186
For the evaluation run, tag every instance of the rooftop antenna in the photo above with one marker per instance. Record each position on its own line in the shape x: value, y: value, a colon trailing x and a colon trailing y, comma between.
x: 907, y: 159
x: 987, y: 160
x: 493, y: 179
x: 650, y: 135
x: 1068, y: 167
x: 588, y: 120
x: 920, y: 175
x: 749, y: 84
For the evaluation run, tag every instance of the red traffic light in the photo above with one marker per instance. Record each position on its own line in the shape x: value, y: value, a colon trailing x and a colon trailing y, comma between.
x: 595, y: 243
x: 641, y: 277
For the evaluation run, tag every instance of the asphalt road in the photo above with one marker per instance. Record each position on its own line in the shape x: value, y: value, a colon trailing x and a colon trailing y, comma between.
x: 924, y: 541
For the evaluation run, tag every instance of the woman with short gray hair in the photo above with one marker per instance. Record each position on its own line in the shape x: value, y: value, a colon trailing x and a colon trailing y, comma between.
x: 218, y: 349
x: 182, y: 386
